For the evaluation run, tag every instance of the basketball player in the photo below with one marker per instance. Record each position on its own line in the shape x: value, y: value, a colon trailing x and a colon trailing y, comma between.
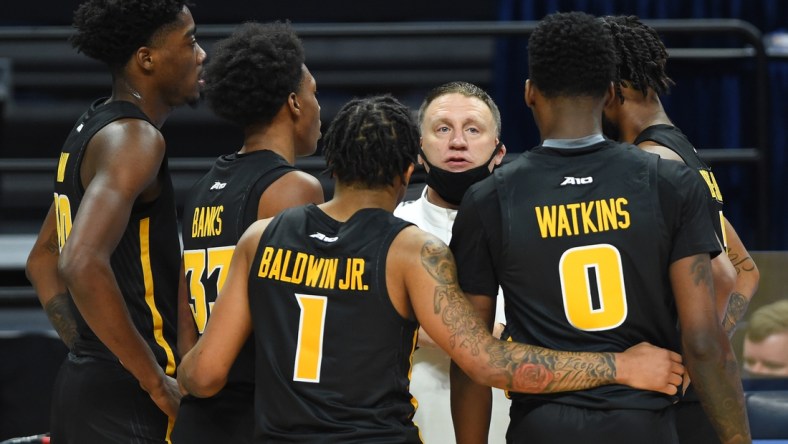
x: 272, y: 96
x: 597, y: 246
x: 335, y: 293
x: 106, y: 265
x: 637, y: 117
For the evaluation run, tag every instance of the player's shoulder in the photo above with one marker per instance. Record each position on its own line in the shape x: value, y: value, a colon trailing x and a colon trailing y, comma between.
x: 412, y: 239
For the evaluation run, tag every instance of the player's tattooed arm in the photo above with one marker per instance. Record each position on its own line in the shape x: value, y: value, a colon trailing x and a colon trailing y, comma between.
x: 737, y: 306
x: 449, y: 301
x: 57, y: 309
x: 711, y: 361
x: 42, y: 272
x: 747, y: 280
x: 532, y: 369
x: 59, y: 314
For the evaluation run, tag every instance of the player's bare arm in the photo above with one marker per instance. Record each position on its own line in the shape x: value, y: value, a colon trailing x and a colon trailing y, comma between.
x: 472, y: 419
x: 293, y: 189
x: 122, y: 164
x: 203, y: 370
x: 747, y: 280
x: 41, y: 271
x: 707, y: 352
x: 723, y: 271
x: 187, y: 330
x: 446, y: 314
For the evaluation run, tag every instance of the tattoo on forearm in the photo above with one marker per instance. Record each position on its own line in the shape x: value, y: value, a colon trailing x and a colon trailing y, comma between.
x: 701, y: 272
x: 59, y: 314
x: 722, y: 399
x: 536, y: 369
x: 737, y: 306
x: 526, y: 368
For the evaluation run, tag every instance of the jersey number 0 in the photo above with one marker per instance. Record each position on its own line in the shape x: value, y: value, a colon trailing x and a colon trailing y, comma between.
x: 592, y: 286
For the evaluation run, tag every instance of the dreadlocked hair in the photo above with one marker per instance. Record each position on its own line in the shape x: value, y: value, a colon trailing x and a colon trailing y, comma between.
x: 571, y: 54
x: 111, y: 31
x: 641, y: 55
x: 370, y: 142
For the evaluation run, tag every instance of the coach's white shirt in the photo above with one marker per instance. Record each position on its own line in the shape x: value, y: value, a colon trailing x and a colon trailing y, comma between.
x: 430, y: 378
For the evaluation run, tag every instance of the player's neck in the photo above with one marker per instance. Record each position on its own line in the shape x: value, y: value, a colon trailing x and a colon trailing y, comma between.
x: 641, y: 112
x: 349, y: 199
x: 147, y: 101
x: 570, y: 118
x: 271, y: 138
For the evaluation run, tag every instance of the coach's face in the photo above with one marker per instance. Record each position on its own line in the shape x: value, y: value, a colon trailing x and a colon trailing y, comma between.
x: 459, y: 133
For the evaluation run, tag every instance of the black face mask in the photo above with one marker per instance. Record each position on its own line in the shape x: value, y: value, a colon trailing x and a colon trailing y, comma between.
x: 452, y: 186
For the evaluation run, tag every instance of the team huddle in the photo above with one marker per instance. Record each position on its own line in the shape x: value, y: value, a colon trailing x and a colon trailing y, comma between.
x: 588, y: 277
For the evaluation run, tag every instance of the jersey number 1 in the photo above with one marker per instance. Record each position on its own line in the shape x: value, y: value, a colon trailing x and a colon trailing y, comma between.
x: 311, y: 326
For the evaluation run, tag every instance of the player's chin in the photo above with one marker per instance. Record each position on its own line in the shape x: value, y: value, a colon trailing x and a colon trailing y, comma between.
x: 194, y: 99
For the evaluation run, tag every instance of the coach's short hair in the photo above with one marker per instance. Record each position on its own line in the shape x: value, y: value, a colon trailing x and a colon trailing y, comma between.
x: 466, y: 89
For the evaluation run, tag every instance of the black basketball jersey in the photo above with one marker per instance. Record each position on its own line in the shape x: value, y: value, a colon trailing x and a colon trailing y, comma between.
x: 580, y: 240
x: 671, y: 137
x: 219, y: 208
x: 146, y: 262
x: 332, y: 353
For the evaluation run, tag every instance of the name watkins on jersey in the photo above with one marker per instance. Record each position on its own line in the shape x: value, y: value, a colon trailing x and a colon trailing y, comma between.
x: 300, y: 268
x: 587, y: 217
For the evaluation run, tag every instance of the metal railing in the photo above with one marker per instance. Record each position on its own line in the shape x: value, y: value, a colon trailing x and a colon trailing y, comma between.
x: 52, y: 40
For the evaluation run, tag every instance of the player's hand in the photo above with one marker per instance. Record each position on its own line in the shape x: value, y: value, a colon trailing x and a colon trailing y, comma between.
x: 648, y: 367
x: 167, y: 396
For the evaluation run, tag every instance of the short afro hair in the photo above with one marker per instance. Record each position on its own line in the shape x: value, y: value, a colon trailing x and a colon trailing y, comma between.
x: 641, y: 55
x: 112, y: 30
x: 251, y: 73
x: 571, y: 54
x: 466, y: 89
x: 370, y: 142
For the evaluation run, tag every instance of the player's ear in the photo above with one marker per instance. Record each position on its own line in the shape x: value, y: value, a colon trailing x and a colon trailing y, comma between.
x: 143, y: 57
x: 610, y: 94
x: 292, y: 103
x: 530, y: 98
x: 408, y: 173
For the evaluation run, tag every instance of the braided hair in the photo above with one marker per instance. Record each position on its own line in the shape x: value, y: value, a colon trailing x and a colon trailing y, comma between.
x: 571, y: 54
x: 370, y: 142
x: 641, y: 55
x: 111, y: 31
